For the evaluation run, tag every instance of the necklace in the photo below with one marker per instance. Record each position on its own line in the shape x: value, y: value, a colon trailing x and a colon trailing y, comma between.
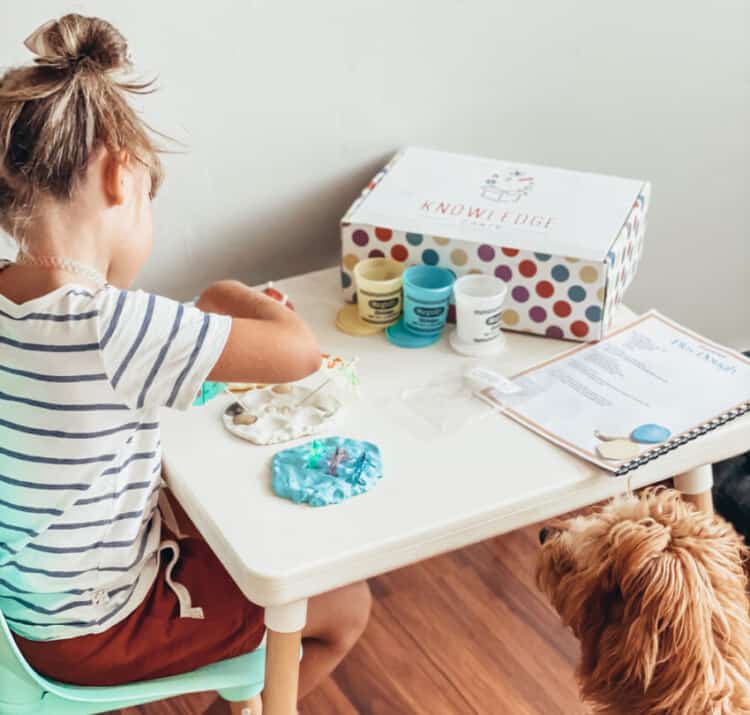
x: 64, y: 264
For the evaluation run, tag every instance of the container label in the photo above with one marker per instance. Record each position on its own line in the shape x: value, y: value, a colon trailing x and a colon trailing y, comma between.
x: 429, y: 312
x: 387, y: 304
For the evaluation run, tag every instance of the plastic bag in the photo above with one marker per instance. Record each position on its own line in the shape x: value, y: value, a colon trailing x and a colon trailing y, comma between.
x: 448, y: 401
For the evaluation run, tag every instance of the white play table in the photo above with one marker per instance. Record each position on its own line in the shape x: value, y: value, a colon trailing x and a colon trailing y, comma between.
x: 438, y: 493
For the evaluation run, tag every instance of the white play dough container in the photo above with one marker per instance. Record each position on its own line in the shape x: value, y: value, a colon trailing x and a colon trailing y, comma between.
x: 479, y: 307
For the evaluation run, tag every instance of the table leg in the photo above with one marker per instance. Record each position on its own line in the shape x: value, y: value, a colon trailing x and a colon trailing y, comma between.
x: 284, y: 624
x: 695, y: 486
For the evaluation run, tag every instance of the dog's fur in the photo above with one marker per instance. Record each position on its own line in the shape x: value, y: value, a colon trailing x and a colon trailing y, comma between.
x: 656, y: 593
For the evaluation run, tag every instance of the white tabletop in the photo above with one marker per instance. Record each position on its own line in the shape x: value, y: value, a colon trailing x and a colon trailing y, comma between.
x: 439, y: 492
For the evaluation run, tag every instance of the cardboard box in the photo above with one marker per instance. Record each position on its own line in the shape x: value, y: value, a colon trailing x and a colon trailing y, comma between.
x: 567, y: 243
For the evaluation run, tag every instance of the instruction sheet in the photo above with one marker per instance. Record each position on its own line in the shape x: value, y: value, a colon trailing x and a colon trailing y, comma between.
x: 651, y: 372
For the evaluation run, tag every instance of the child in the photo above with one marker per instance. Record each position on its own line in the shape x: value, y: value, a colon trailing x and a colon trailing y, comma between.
x: 92, y: 580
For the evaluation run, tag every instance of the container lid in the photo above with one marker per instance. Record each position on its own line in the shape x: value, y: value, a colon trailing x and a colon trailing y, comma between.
x: 400, y: 336
x: 349, y: 322
x: 503, y: 203
x: 476, y: 349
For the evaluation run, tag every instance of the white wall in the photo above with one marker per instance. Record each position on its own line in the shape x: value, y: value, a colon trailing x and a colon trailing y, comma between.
x: 289, y: 107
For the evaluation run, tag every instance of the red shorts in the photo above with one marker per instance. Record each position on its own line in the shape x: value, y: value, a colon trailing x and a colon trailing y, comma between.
x: 153, y: 642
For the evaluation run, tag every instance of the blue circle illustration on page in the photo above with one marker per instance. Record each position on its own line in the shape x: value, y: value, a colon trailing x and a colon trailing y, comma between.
x: 650, y: 434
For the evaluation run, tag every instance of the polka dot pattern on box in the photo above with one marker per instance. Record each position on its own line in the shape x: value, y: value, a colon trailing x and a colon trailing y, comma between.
x: 430, y: 257
x: 547, y: 293
x: 459, y: 257
x: 624, y: 258
x: 360, y: 237
x: 504, y: 272
x: 557, y: 296
x: 399, y: 253
x: 545, y: 289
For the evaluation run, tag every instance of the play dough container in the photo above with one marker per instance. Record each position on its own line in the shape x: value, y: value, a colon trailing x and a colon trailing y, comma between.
x: 427, y: 293
x: 479, y: 302
x: 378, y: 285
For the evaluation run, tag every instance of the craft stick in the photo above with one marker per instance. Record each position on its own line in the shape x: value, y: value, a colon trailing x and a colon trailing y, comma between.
x: 351, y: 363
x: 315, y: 391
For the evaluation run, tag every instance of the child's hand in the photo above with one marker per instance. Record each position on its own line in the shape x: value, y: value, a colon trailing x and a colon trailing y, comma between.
x: 267, y: 342
x: 229, y: 297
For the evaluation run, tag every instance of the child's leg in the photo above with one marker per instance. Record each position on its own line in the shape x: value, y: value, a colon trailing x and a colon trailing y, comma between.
x: 335, y: 621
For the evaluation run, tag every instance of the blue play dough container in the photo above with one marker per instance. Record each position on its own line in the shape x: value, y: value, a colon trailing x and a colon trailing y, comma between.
x: 427, y: 292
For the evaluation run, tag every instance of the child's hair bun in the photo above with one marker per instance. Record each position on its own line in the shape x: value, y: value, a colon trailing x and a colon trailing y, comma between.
x: 74, y: 41
x: 57, y: 112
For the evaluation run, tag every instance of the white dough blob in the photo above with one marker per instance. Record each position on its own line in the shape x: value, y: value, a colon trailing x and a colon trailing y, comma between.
x: 282, y: 416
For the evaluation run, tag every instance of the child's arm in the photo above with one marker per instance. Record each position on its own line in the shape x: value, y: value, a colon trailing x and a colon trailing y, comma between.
x: 267, y: 343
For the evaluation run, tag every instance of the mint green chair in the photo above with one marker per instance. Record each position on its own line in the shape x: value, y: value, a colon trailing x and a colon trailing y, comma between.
x: 24, y: 692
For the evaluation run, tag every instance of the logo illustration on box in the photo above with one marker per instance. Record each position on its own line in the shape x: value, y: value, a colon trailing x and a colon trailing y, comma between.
x: 507, y: 187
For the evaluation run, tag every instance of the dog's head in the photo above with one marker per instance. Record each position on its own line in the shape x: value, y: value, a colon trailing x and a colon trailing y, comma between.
x: 656, y: 593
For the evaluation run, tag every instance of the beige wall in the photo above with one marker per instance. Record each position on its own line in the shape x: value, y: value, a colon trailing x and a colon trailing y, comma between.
x: 289, y: 107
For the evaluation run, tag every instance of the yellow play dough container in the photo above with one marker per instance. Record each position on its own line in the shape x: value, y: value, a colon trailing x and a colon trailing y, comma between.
x: 378, y: 284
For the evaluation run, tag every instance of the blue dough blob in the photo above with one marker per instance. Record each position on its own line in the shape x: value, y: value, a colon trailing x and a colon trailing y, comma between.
x: 326, y: 471
x: 650, y: 434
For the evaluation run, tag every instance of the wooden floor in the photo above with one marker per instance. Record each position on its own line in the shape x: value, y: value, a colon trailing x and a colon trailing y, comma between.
x: 467, y: 632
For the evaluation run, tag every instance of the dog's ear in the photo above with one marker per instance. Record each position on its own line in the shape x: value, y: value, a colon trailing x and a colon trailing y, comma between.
x: 678, y: 580
x: 656, y: 592
x: 656, y: 595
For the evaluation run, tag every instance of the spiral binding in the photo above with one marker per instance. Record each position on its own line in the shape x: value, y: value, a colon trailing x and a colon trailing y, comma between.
x: 672, y: 444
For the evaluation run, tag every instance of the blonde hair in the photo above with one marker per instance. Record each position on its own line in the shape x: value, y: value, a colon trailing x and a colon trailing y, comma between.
x: 57, y: 112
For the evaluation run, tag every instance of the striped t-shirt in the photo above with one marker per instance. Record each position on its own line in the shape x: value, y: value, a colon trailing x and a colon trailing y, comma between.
x: 82, y: 376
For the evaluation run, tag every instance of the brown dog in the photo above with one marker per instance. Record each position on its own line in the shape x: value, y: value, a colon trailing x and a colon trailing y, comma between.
x: 656, y: 593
